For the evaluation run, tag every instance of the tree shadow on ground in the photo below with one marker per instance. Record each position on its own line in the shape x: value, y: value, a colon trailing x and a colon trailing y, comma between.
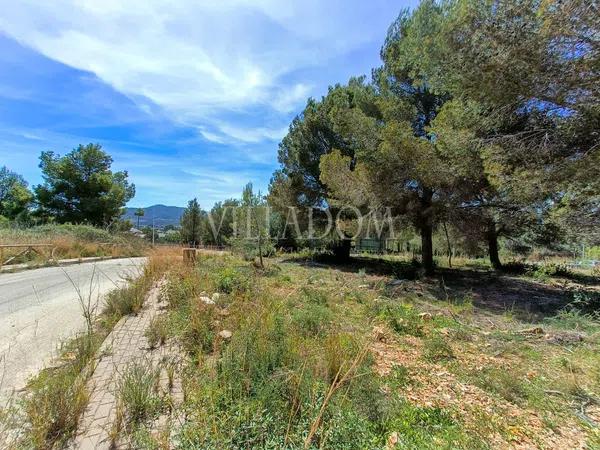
x: 496, y: 292
x: 492, y: 291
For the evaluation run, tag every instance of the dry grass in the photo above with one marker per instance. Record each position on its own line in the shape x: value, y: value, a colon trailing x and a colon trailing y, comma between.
x: 70, y: 241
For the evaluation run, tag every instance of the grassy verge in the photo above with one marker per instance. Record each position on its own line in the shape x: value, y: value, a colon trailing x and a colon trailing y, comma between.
x: 70, y: 241
x: 47, y: 415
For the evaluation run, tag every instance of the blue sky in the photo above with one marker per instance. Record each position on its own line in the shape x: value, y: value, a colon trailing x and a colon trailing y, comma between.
x: 191, y: 97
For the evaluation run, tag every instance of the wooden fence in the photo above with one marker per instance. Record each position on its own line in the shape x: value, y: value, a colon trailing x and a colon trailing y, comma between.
x: 26, y: 249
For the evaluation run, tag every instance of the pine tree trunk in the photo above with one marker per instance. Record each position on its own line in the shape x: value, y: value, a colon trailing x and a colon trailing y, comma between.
x: 449, y: 246
x: 427, y: 247
x: 492, y: 239
x: 426, y: 232
x: 260, y: 251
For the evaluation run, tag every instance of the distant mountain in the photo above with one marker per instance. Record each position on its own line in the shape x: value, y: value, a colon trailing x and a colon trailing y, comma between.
x: 163, y: 215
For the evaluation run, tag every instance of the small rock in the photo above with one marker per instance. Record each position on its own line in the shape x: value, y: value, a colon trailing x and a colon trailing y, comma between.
x: 425, y: 316
x: 225, y: 334
x: 363, y: 286
x: 565, y: 338
x: 216, y: 296
x: 392, y: 440
x: 207, y: 300
x: 535, y: 330
x: 379, y: 334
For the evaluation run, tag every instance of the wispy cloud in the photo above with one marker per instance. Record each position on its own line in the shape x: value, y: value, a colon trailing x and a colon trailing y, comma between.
x: 191, y: 97
x: 196, y: 59
x: 288, y: 99
x: 252, y: 135
x: 171, y: 177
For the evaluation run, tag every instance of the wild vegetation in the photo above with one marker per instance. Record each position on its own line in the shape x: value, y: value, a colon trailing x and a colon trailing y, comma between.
x: 75, y: 212
x: 68, y: 241
x: 301, y: 354
x: 477, y: 139
x: 78, y: 187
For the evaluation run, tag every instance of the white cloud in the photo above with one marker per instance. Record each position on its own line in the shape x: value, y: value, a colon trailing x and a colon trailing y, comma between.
x: 252, y: 135
x: 212, y: 137
x: 288, y: 99
x: 226, y: 133
x: 198, y: 60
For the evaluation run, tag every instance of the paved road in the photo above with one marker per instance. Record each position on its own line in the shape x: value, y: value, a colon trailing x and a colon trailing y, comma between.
x: 40, y: 308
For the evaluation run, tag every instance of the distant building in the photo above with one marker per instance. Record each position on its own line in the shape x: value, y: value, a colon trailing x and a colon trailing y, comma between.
x: 137, y: 233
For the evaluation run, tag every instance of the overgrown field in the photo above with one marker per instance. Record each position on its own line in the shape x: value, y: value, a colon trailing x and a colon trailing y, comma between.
x: 70, y: 241
x: 302, y: 354
x: 306, y: 355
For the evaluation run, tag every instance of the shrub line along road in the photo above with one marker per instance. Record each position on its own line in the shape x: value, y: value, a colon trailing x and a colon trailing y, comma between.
x: 40, y: 308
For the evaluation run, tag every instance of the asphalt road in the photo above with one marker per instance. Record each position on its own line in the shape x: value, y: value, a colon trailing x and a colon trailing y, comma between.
x: 40, y: 308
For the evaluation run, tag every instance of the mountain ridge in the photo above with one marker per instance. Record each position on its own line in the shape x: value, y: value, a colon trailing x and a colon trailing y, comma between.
x: 163, y: 215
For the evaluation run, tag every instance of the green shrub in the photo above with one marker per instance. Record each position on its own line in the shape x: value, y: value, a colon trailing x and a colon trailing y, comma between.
x: 157, y: 331
x: 587, y: 303
x: 400, y: 376
x: 347, y: 429
x: 53, y: 406
x: 427, y: 428
x: 437, y: 349
x: 231, y: 279
x: 248, y: 248
x: 404, y: 270
x: 314, y: 296
x: 403, y: 319
x: 312, y: 319
x: 574, y: 320
x: 56, y: 398
x: 125, y: 300
x: 503, y: 383
x: 198, y: 334
x: 546, y: 271
x: 179, y: 289
x: 137, y: 391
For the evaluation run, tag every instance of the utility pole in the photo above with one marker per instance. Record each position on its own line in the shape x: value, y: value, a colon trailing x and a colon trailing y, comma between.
x: 152, y: 229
